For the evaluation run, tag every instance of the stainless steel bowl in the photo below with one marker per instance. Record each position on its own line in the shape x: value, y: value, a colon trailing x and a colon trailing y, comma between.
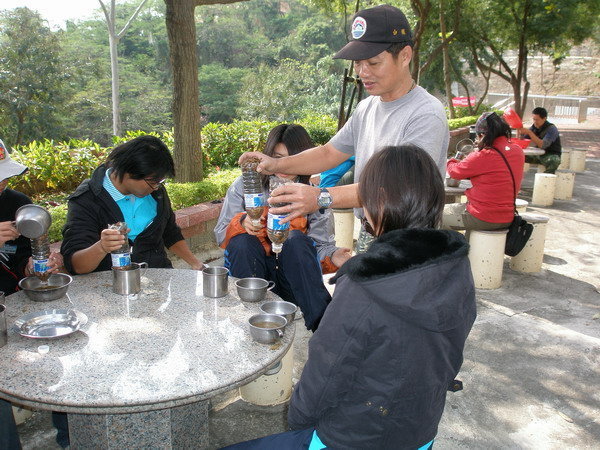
x: 32, y: 221
x: 451, y: 182
x: 267, y: 328
x: 253, y: 289
x: 281, y: 308
x: 58, y: 283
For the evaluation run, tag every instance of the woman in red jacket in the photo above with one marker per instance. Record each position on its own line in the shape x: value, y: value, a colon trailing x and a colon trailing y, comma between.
x: 491, y: 200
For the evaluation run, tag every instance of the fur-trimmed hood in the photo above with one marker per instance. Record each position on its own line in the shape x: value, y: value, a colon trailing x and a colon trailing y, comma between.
x: 410, y: 272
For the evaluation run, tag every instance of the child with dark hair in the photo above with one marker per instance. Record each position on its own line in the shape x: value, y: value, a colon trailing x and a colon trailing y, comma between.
x: 128, y: 187
x: 491, y: 201
x: 308, y: 251
x: 392, y: 339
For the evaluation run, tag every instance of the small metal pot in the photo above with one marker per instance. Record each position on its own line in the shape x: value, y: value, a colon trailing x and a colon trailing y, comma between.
x: 281, y: 308
x: 32, y: 221
x: 57, y: 286
x: 253, y: 289
x: 267, y: 328
x: 451, y: 182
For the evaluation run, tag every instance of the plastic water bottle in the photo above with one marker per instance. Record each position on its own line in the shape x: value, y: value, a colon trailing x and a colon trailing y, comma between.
x: 277, y: 231
x: 121, y: 258
x: 40, y: 253
x: 254, y: 197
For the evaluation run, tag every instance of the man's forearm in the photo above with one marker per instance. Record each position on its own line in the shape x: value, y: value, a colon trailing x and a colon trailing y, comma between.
x: 345, y: 196
x: 311, y: 161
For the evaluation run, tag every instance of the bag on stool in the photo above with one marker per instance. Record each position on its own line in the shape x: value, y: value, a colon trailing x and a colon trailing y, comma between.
x: 518, y: 234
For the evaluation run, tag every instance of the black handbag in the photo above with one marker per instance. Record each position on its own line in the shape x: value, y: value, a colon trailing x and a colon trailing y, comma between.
x: 519, y: 231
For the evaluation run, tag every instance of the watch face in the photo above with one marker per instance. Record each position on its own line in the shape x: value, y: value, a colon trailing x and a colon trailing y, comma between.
x: 324, y: 200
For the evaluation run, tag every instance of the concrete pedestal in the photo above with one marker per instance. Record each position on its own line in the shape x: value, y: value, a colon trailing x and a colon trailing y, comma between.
x: 179, y: 427
x: 577, y: 163
x: 541, y: 168
x: 526, y: 167
x: 344, y: 227
x: 486, y: 254
x: 565, y: 181
x: 543, y: 189
x: 530, y: 259
x: 565, y: 158
x: 21, y: 414
x: 521, y: 205
x: 274, y: 387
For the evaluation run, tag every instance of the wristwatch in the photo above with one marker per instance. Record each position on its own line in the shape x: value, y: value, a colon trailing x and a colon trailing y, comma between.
x: 324, y: 200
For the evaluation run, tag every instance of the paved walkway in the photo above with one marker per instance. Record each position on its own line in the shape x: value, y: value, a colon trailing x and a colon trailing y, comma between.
x: 532, y: 362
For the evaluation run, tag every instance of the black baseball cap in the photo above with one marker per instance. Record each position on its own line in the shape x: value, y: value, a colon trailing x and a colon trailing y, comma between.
x: 374, y: 30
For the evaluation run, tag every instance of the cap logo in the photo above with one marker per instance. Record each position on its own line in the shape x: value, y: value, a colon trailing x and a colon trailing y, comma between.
x: 359, y: 28
x: 2, y: 151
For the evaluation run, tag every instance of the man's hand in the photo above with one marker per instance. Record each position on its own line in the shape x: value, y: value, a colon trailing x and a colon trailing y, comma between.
x: 251, y: 229
x: 525, y: 131
x: 55, y: 264
x: 302, y: 200
x: 340, y: 256
x: 111, y: 240
x: 8, y: 232
x: 267, y: 164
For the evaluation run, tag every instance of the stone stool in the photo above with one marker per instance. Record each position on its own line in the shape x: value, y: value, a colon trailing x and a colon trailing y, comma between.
x: 530, y: 258
x: 577, y: 163
x: 526, y: 167
x: 344, y: 227
x: 275, y: 386
x: 21, y: 413
x: 486, y: 254
x: 565, y: 158
x: 521, y: 205
x: 543, y: 189
x: 565, y: 180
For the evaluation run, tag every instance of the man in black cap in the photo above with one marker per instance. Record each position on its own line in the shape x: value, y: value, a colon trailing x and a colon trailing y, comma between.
x: 397, y: 112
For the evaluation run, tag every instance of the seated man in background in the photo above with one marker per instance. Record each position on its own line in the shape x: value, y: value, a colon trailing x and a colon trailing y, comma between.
x: 544, y: 135
x: 127, y: 188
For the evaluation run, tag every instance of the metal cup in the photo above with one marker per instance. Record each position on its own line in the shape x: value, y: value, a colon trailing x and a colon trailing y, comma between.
x: 32, y: 221
x: 128, y: 281
x: 3, y: 329
x: 214, y: 281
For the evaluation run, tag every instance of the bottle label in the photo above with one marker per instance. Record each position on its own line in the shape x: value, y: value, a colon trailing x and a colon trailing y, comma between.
x: 120, y: 259
x: 40, y: 265
x: 273, y: 222
x: 254, y: 200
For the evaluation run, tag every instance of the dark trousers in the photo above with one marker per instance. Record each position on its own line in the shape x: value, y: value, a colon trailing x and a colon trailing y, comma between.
x: 61, y: 423
x: 296, y: 273
x: 9, y: 437
x: 290, y: 440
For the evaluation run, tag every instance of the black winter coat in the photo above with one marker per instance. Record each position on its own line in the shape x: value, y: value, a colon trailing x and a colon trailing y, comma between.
x: 91, y: 209
x: 389, y: 343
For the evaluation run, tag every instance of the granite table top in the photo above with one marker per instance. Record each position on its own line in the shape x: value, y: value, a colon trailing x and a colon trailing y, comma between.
x: 460, y: 189
x: 533, y: 151
x: 164, y: 347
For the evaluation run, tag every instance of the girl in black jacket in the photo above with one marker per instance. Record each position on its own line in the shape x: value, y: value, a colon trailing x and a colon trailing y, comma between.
x: 392, y: 338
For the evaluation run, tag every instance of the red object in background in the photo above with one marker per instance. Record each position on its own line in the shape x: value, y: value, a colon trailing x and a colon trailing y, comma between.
x: 463, y: 101
x: 523, y: 143
x: 512, y: 118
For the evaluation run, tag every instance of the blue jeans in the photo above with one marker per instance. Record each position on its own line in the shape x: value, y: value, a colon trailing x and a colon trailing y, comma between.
x: 9, y: 437
x: 297, y: 272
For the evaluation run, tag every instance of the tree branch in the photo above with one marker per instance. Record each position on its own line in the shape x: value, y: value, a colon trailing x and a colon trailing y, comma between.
x: 131, y: 19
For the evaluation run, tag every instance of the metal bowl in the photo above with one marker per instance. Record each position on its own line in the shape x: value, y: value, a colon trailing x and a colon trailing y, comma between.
x: 451, y: 182
x: 267, y: 328
x: 253, y: 289
x: 281, y: 308
x: 58, y: 283
x: 32, y: 221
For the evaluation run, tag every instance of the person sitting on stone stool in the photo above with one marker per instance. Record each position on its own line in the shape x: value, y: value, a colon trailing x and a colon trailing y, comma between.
x: 544, y: 135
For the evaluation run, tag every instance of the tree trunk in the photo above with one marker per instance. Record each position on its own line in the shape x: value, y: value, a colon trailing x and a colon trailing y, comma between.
x: 446, y: 61
x: 181, y: 27
x: 114, y: 69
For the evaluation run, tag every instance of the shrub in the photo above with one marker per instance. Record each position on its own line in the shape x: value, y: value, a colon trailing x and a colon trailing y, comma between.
x: 212, y: 187
x: 59, y: 217
x: 453, y: 124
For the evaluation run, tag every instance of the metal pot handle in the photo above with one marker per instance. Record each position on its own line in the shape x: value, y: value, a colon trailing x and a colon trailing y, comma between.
x: 270, y: 286
x: 279, y: 333
x: 145, y: 266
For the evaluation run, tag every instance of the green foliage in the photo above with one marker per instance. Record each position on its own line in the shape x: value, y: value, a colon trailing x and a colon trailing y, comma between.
x: 59, y: 218
x: 212, y: 187
x: 56, y: 166
x: 219, y: 89
x: 453, y: 124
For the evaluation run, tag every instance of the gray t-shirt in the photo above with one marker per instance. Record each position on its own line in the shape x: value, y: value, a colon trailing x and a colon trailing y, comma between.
x: 416, y: 118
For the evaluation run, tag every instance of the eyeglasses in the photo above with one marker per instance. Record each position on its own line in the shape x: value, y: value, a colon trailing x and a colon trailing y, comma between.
x: 153, y: 183
x: 367, y: 226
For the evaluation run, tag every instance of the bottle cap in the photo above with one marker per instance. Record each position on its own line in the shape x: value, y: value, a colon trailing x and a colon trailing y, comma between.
x: 276, y: 247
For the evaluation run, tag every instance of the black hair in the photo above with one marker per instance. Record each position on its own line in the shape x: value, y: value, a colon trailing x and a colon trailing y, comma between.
x: 401, y: 187
x: 397, y: 47
x: 496, y: 127
x: 142, y: 157
x: 539, y: 111
x: 296, y: 140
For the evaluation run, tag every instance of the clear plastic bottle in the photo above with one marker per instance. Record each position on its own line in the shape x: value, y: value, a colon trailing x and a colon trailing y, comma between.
x: 277, y: 231
x: 40, y: 253
x: 254, y: 197
x: 121, y: 258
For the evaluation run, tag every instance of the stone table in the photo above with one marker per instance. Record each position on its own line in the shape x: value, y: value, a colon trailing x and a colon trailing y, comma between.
x: 141, y: 372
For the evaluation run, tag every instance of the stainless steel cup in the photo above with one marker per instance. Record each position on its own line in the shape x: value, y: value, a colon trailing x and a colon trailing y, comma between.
x: 32, y: 221
x: 214, y: 281
x: 267, y: 328
x: 128, y: 281
x: 3, y: 329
